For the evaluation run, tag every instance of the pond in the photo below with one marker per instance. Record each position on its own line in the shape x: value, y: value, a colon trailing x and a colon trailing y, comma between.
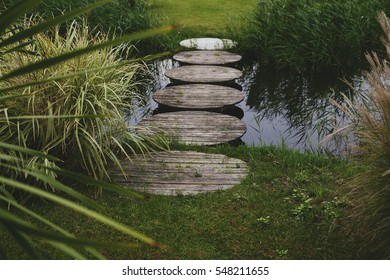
x: 279, y: 107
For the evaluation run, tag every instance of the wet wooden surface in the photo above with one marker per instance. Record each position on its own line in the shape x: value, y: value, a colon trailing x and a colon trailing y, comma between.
x: 195, y: 127
x: 203, y: 74
x: 198, y: 96
x: 181, y: 172
x: 207, y: 57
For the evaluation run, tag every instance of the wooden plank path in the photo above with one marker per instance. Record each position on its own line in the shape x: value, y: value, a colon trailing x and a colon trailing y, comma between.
x: 195, y: 127
x: 207, y: 57
x: 203, y: 74
x: 198, y: 96
x: 181, y: 172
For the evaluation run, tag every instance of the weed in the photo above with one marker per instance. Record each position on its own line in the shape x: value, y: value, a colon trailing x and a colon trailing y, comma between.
x: 264, y: 221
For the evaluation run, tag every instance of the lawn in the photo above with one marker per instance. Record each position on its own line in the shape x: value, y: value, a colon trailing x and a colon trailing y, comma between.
x: 286, y: 208
x: 204, y: 16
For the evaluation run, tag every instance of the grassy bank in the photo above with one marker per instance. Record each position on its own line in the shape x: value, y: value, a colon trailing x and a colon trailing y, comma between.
x: 202, y: 16
x: 286, y: 208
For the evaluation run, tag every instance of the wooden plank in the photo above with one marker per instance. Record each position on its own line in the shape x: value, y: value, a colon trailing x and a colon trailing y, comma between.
x: 203, y: 74
x: 207, y: 57
x: 183, y: 173
x: 198, y: 96
x: 195, y: 127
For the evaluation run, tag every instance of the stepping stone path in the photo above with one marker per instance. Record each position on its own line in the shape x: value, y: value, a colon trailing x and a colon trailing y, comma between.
x: 203, y: 74
x: 196, y: 127
x: 182, y: 172
x: 179, y: 172
x: 207, y: 57
x: 198, y: 96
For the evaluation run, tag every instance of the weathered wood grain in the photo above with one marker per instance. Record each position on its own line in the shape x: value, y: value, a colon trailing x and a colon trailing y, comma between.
x: 207, y: 57
x: 195, y: 127
x: 203, y: 74
x: 198, y: 96
x: 181, y: 172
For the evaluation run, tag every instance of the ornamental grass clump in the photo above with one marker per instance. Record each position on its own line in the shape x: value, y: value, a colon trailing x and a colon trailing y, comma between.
x: 369, y: 130
x: 78, y: 118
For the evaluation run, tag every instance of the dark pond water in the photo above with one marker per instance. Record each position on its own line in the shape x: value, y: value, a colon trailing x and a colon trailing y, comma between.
x: 279, y: 107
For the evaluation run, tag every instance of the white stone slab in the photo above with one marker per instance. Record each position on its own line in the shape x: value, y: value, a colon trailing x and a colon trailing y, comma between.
x: 208, y: 43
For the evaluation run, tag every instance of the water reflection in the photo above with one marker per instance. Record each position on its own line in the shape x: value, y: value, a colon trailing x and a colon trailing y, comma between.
x: 279, y: 107
x: 294, y: 109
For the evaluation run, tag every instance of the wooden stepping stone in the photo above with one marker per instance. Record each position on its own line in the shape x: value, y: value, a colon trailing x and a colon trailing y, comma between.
x: 195, y: 127
x: 207, y: 57
x: 208, y: 43
x: 198, y: 96
x: 181, y: 172
x: 203, y: 74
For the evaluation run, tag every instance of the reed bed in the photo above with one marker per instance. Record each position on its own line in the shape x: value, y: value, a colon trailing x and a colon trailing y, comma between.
x: 368, y: 130
x: 312, y: 35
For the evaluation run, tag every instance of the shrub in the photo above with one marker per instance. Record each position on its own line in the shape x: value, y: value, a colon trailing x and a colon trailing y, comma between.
x: 369, y: 131
x: 23, y: 91
x: 313, y: 34
x: 98, y: 100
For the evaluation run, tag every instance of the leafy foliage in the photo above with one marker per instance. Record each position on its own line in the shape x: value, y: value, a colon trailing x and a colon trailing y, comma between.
x: 42, y: 74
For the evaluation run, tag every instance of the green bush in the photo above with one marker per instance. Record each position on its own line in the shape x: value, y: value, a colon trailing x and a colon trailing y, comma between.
x: 99, y: 100
x: 313, y: 34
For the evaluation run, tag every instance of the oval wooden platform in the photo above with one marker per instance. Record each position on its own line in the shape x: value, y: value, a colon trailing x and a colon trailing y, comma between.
x: 203, y: 74
x: 198, y: 96
x: 181, y: 172
x: 207, y: 57
x: 195, y: 127
x: 208, y: 43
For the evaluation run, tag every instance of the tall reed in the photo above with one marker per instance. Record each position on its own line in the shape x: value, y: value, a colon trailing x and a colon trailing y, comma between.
x: 369, y: 131
x: 312, y: 34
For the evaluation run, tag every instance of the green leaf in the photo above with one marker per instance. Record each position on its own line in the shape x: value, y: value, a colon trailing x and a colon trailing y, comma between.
x: 46, y: 25
x: 64, y: 57
x: 70, y: 251
x: 17, y: 224
x: 105, y: 185
x: 12, y: 14
x: 56, y: 185
x: 82, y: 72
x: 78, y: 208
x: 44, y: 117
x: 27, y: 151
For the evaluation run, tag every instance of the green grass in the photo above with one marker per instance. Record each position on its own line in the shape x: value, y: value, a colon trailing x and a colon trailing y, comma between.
x: 286, y: 208
x: 206, y: 17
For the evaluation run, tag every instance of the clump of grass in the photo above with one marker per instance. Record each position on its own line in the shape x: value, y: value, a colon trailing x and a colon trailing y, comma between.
x: 78, y: 118
x: 312, y: 35
x: 369, y: 128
